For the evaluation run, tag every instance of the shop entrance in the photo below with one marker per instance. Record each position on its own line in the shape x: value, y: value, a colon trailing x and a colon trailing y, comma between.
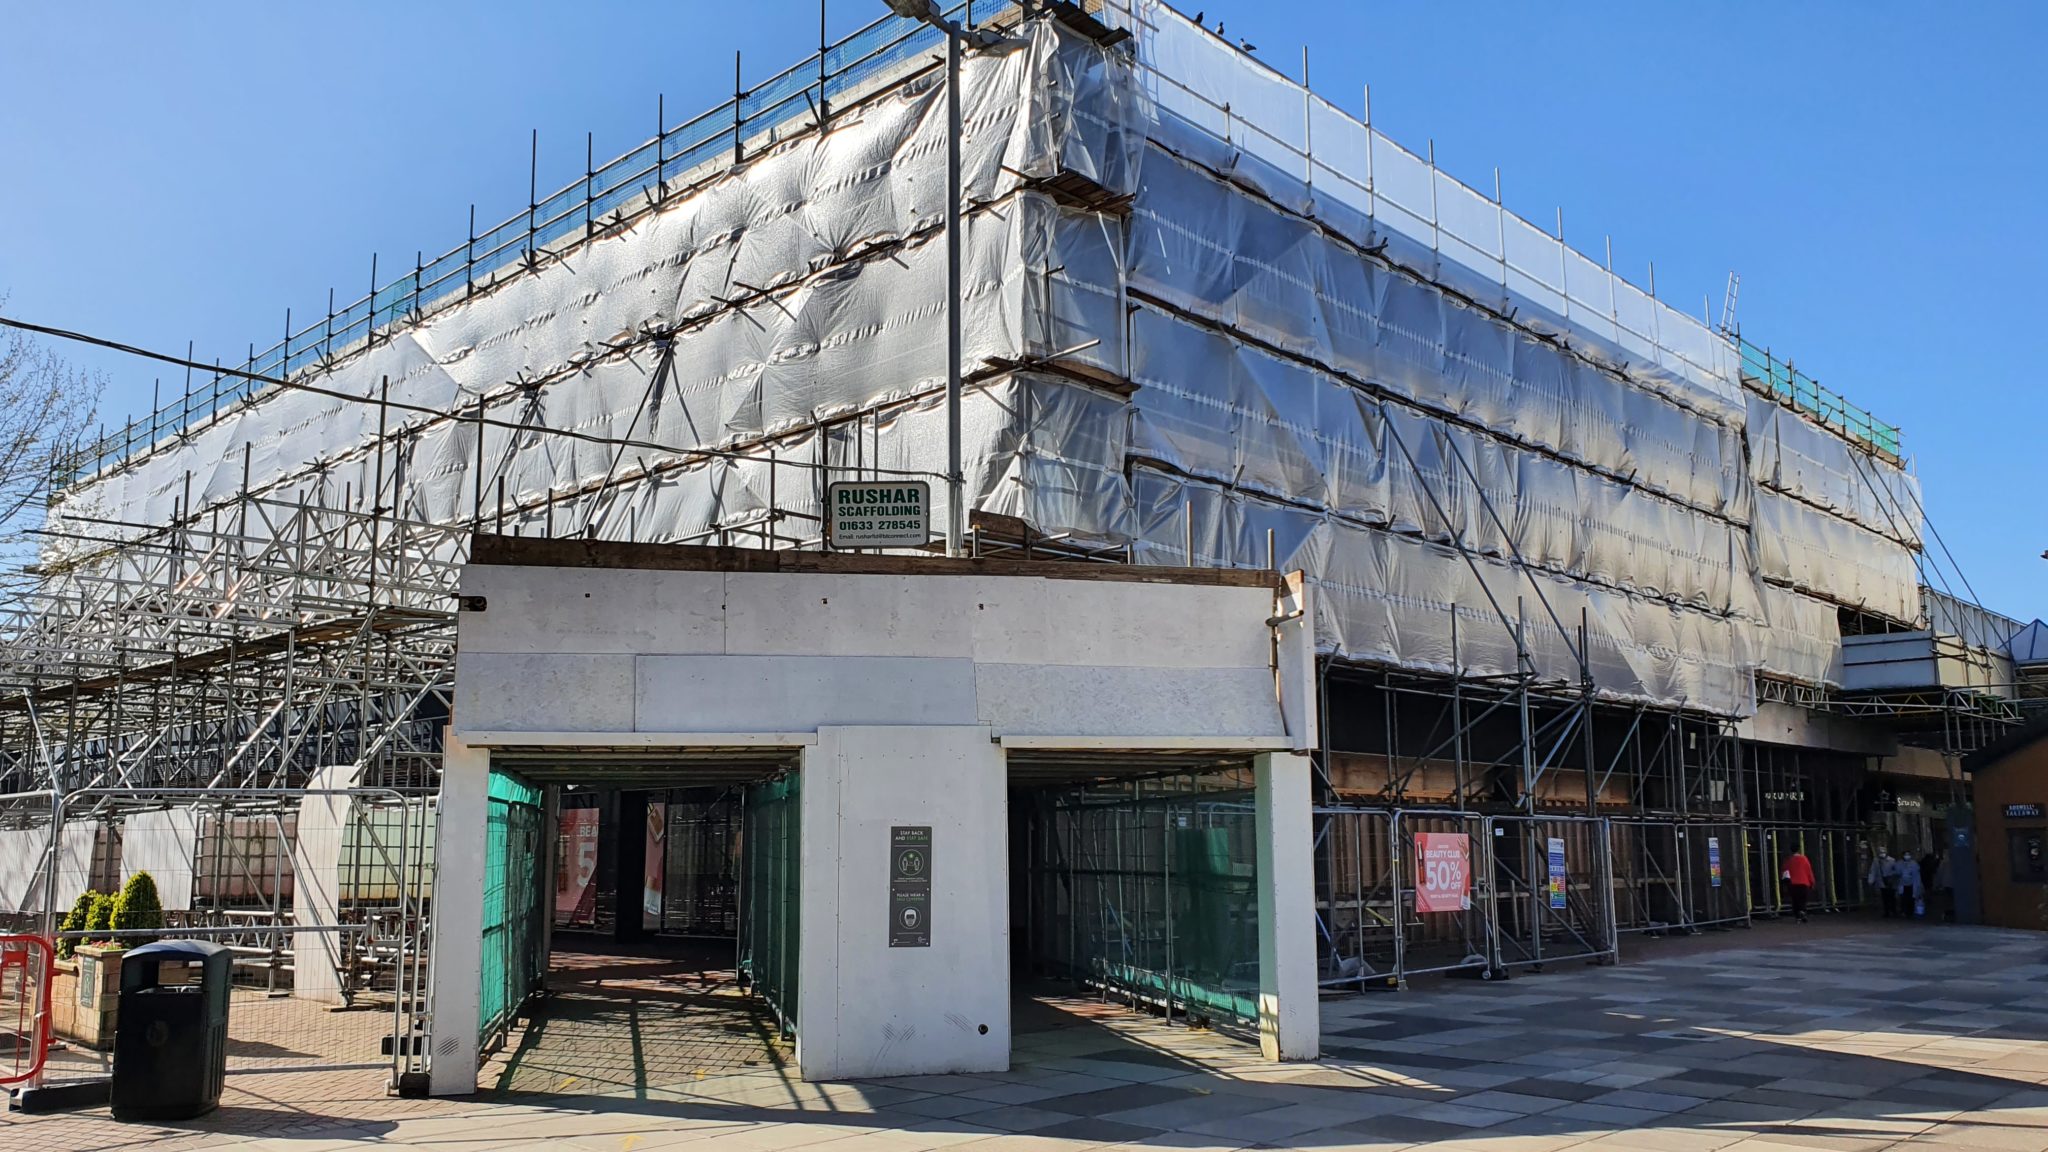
x: 1134, y: 881
x: 652, y: 938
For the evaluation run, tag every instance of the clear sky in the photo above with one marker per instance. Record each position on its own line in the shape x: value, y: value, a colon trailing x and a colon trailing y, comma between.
x: 1874, y: 171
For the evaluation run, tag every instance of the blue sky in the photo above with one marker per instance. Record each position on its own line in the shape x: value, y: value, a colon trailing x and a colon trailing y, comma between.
x: 1874, y: 171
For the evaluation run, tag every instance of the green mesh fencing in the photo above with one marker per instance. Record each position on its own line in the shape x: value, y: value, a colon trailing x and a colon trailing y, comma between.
x: 1155, y: 897
x: 1796, y: 388
x: 769, y: 895
x: 511, y: 966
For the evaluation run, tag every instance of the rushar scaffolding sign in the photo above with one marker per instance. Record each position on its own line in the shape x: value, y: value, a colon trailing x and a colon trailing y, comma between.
x: 878, y: 513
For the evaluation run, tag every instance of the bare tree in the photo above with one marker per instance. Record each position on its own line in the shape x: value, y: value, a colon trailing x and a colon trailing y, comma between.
x: 47, y: 410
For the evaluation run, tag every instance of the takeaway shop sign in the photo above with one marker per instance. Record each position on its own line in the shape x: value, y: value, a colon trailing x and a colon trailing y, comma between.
x: 878, y: 514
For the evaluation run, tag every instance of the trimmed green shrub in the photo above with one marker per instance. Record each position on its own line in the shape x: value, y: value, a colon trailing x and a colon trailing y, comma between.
x: 137, y: 908
x: 99, y: 919
x: 74, y: 921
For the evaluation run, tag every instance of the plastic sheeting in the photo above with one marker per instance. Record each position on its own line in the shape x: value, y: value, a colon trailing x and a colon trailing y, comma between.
x: 1240, y: 116
x: 788, y: 271
x: 1216, y: 408
x: 1802, y: 459
x: 1288, y: 384
x: 1200, y: 245
x: 1975, y: 625
x: 1803, y: 547
x: 1801, y: 638
x: 1395, y: 599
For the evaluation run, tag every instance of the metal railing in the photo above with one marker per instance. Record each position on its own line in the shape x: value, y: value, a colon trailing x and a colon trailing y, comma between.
x: 1779, y: 380
x: 1534, y: 890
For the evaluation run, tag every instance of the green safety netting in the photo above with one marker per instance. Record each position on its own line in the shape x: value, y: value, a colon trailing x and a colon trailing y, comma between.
x: 511, y: 966
x: 769, y: 895
x: 1154, y: 897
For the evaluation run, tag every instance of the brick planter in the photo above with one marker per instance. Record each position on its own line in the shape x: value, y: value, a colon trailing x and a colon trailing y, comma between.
x: 85, y: 996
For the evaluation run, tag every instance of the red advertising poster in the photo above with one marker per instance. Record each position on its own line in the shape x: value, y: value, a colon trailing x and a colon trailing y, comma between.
x: 576, y: 867
x: 657, y: 843
x: 1443, y: 872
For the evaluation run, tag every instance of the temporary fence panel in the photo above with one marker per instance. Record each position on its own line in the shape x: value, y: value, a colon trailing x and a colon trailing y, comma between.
x: 701, y: 874
x: 1839, y: 856
x: 1553, y: 893
x: 1357, y: 917
x: 329, y: 971
x: 1765, y: 846
x: 770, y: 891
x: 1212, y: 883
x: 511, y: 967
x: 1650, y: 862
x: 1152, y: 897
x: 1716, y: 886
x: 1444, y: 893
x: 26, y: 965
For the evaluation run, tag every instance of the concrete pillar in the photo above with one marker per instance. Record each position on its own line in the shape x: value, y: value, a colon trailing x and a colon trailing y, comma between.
x: 460, y: 839
x: 1290, y: 1024
x: 869, y: 1009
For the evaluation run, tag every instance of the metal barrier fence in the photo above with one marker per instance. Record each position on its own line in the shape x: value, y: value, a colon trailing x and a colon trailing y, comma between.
x: 1149, y: 896
x: 1839, y: 854
x: 1410, y: 892
x: 327, y: 924
x: 1437, y: 931
x: 1357, y: 904
x: 1553, y: 890
x: 1650, y: 887
x: 1679, y: 875
x: 1717, y: 874
x: 26, y: 964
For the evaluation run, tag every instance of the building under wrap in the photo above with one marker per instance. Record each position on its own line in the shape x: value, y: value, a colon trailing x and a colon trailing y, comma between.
x: 1571, y: 549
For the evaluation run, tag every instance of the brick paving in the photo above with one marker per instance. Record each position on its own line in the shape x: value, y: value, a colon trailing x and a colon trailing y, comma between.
x: 1853, y: 1037
x: 274, y: 1033
x: 681, y: 1023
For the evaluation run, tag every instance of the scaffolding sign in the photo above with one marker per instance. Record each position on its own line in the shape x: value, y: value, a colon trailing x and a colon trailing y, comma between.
x: 879, y: 514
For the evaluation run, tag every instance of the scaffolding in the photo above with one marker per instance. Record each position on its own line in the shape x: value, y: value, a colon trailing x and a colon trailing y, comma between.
x: 1557, y: 554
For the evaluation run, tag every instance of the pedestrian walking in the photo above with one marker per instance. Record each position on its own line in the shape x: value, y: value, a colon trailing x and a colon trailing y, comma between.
x: 1912, y: 893
x: 1884, y: 876
x: 1798, y: 877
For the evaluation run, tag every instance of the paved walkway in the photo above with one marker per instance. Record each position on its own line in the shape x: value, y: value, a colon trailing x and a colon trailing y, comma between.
x: 1916, y: 1037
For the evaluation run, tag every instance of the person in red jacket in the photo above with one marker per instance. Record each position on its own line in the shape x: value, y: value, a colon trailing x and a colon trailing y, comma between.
x: 1798, y: 877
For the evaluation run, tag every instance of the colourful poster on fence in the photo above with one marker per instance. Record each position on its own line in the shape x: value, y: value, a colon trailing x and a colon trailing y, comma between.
x: 1443, y: 872
x: 1556, y: 872
x: 1714, y: 861
x: 576, y: 867
x: 656, y: 864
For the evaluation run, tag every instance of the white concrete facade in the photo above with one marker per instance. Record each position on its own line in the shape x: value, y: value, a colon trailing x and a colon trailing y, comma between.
x: 901, y: 687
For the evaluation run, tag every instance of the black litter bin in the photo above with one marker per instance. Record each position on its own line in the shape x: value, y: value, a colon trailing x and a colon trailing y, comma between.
x: 171, y: 1044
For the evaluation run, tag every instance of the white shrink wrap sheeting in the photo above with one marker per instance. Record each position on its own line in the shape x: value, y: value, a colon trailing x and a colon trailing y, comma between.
x: 798, y: 220
x: 1235, y: 115
x: 1394, y: 599
x: 1204, y: 247
x: 1800, y: 639
x: 1796, y: 456
x: 1214, y: 407
x: 1038, y: 279
x: 1034, y: 447
x: 1802, y: 547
